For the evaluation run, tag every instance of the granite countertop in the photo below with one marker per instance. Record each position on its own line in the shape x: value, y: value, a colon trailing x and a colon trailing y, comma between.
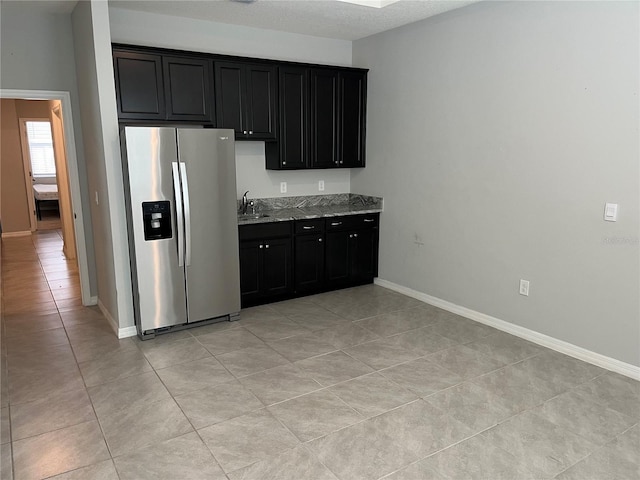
x: 284, y: 209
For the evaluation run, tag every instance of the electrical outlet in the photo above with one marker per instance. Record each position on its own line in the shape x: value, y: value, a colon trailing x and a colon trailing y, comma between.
x: 524, y: 287
x: 321, y: 186
x: 283, y: 187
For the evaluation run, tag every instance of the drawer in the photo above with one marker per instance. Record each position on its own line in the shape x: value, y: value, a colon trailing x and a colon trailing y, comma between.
x: 314, y: 225
x: 260, y: 231
x: 352, y: 222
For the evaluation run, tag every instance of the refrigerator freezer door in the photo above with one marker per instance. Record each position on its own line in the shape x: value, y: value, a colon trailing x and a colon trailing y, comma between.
x: 159, y: 282
x: 213, y: 274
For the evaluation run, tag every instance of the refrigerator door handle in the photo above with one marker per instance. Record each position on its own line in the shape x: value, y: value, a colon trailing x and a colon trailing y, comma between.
x: 187, y: 213
x: 177, y: 191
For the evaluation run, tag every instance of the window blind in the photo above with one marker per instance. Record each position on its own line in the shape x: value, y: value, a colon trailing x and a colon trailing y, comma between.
x: 43, y: 163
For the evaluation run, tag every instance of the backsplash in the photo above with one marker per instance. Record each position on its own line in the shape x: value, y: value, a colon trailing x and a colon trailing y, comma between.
x: 307, y: 201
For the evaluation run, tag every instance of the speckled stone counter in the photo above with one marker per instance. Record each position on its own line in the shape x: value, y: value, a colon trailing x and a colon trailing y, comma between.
x: 282, y: 209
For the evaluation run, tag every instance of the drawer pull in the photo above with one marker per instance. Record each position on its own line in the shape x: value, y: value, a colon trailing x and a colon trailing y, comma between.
x: 335, y: 224
x: 261, y: 246
x: 355, y: 235
x: 351, y: 236
x: 368, y: 220
x: 309, y: 228
x: 266, y: 246
x: 320, y: 240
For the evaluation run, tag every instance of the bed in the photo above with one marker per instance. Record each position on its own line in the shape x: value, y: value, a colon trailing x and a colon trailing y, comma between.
x: 45, y: 194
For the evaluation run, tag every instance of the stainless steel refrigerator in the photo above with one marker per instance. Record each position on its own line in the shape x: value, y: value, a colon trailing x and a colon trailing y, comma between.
x: 180, y: 190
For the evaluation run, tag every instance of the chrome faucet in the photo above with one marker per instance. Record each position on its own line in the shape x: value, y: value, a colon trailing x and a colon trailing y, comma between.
x: 245, y: 203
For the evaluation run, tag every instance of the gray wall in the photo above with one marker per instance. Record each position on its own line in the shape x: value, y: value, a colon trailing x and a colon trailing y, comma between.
x: 37, y: 54
x: 496, y: 133
x: 97, y: 93
x: 140, y: 28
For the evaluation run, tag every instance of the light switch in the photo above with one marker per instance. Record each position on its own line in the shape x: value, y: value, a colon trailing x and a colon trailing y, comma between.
x: 611, y: 212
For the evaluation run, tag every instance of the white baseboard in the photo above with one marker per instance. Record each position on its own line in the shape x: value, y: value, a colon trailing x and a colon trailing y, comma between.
x: 93, y: 301
x: 561, y: 346
x: 16, y: 234
x: 126, y: 332
x: 120, y: 332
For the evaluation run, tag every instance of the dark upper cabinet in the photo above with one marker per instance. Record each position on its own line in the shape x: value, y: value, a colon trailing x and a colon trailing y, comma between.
x: 187, y: 83
x: 310, y: 116
x: 324, y: 99
x: 246, y: 99
x: 139, y: 86
x: 353, y: 100
x: 291, y: 151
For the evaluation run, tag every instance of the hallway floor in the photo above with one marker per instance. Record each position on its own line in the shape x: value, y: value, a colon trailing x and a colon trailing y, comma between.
x: 361, y: 383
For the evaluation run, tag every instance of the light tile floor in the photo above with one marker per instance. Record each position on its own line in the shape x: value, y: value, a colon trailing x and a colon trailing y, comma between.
x: 356, y: 384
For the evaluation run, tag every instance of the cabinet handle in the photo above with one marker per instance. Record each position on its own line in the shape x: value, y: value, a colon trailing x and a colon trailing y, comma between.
x: 284, y: 163
x: 250, y: 132
x: 320, y: 240
x: 335, y: 224
x: 261, y: 246
x: 341, y: 162
x: 266, y: 246
x: 309, y: 228
x: 350, y: 236
x: 244, y: 131
x: 355, y: 235
x: 368, y: 220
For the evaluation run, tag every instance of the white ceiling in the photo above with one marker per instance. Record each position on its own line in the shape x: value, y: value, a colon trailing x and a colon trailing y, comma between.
x: 321, y: 18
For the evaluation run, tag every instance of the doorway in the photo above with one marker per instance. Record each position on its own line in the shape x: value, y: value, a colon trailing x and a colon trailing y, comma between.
x: 53, y: 145
x: 40, y: 172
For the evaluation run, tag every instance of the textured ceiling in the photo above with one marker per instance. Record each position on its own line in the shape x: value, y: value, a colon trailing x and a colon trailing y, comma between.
x: 321, y: 18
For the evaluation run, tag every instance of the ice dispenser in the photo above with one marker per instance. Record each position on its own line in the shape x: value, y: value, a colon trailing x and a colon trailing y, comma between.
x: 157, y: 220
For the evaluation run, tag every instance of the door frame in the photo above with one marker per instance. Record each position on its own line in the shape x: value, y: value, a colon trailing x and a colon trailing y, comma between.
x: 74, y: 177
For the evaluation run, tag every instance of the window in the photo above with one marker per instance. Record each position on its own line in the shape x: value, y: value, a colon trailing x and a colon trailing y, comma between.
x: 43, y: 162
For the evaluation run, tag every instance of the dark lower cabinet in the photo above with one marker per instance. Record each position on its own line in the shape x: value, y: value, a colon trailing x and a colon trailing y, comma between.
x: 278, y: 262
x: 266, y: 262
x: 309, y: 263
x: 276, y: 267
x: 338, y: 267
x: 351, y: 257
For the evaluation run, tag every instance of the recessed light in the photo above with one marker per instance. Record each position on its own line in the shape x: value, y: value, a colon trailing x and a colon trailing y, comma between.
x: 371, y: 3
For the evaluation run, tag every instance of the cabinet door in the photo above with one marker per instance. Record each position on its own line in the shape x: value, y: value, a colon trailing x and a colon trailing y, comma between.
x: 291, y: 152
x: 261, y: 88
x: 188, y: 89
x: 338, y: 259
x: 230, y: 97
x: 309, y: 263
x: 250, y: 262
x: 276, y: 267
x: 352, y: 119
x: 324, y: 118
x: 365, y: 256
x: 139, y: 86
